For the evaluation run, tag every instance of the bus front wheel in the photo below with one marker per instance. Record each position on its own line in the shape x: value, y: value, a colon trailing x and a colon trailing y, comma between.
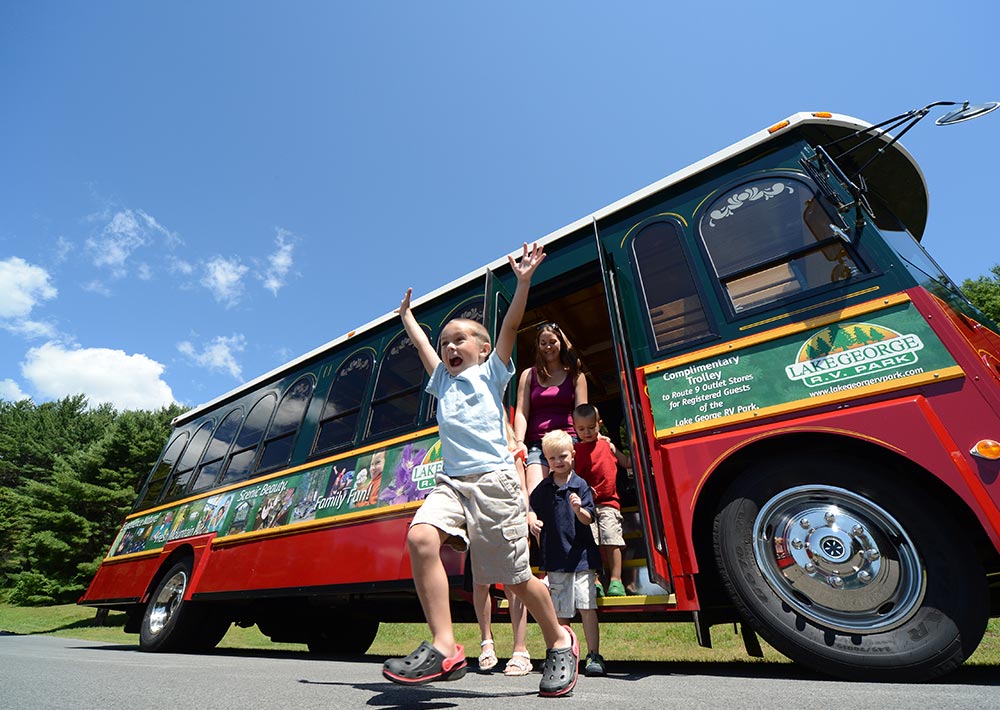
x: 172, y: 624
x: 848, y: 573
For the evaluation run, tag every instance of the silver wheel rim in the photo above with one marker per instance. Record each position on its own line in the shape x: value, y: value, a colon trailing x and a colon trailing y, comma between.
x: 838, y: 559
x: 167, y: 602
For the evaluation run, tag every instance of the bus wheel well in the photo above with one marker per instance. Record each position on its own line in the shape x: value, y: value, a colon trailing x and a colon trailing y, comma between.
x: 183, y: 552
x: 811, y: 445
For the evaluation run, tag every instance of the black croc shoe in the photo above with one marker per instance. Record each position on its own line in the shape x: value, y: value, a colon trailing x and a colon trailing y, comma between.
x: 560, y: 670
x: 425, y: 665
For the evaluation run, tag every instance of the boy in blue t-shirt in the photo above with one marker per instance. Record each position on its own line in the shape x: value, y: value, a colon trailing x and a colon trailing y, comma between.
x: 477, y: 501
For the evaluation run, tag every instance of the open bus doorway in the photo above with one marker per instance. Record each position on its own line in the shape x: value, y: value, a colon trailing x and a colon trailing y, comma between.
x: 577, y: 302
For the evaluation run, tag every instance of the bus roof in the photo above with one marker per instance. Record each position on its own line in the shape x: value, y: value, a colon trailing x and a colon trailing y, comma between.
x: 907, y: 201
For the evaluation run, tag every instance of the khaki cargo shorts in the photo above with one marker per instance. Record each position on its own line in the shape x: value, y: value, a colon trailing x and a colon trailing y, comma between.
x: 487, y: 515
x: 607, y: 526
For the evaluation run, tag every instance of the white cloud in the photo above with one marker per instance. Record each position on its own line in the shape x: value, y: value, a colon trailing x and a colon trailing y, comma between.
x: 279, y: 263
x: 101, y: 374
x: 179, y: 266
x: 126, y: 232
x: 98, y: 287
x: 11, y: 391
x: 145, y: 273
x: 218, y: 355
x: 30, y: 328
x: 224, y: 278
x: 62, y: 250
x: 24, y: 285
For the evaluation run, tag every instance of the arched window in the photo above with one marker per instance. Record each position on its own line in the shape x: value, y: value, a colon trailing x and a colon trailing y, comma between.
x: 185, y: 467
x: 676, y: 312
x: 396, y: 401
x: 338, y: 423
x: 211, y: 462
x: 287, y: 421
x: 158, y: 476
x: 771, y: 239
x: 244, y: 450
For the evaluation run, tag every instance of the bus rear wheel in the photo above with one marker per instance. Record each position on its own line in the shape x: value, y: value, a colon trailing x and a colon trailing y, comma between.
x: 172, y: 624
x: 850, y: 574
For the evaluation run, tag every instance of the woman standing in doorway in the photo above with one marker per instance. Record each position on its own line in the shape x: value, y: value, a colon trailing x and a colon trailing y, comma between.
x: 547, y: 393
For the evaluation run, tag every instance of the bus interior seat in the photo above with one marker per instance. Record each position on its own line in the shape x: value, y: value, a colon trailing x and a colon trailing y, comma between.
x: 763, y: 287
x: 678, y: 320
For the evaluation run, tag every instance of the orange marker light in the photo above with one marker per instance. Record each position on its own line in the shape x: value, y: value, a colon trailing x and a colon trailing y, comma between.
x: 987, y: 449
x: 777, y: 127
x: 822, y: 114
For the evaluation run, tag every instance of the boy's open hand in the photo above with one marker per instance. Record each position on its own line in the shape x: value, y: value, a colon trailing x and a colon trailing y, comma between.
x: 530, y: 260
x: 404, y: 305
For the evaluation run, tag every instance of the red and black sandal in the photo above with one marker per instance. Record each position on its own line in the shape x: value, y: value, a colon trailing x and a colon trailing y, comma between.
x: 561, y: 668
x: 425, y: 665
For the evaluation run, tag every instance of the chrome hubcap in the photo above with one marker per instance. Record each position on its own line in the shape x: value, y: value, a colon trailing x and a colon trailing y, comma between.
x: 167, y: 602
x: 838, y: 559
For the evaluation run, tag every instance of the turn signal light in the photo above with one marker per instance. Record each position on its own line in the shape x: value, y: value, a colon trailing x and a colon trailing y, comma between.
x: 987, y: 449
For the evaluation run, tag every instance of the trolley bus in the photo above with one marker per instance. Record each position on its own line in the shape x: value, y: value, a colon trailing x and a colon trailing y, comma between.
x: 812, y: 406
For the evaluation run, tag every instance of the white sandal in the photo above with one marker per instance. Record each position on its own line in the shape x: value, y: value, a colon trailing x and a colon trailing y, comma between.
x: 519, y: 664
x: 488, y: 658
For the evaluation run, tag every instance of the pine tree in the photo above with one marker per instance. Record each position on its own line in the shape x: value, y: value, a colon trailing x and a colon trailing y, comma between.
x: 75, y: 480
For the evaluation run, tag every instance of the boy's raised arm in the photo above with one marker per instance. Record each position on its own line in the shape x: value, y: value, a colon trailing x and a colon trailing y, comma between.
x: 428, y: 355
x: 523, y: 270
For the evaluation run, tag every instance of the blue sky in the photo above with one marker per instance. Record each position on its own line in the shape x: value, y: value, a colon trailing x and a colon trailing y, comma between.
x: 193, y: 193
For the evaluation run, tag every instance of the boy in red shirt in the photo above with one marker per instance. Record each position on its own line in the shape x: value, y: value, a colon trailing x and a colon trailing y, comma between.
x: 597, y: 463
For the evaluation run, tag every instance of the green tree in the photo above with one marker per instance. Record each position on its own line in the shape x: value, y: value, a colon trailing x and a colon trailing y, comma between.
x: 984, y: 293
x: 73, y: 483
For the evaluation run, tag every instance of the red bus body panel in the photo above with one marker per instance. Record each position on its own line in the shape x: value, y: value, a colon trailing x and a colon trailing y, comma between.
x: 933, y: 426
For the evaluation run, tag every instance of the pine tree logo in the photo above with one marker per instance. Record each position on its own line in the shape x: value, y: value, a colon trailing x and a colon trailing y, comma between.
x: 843, y: 352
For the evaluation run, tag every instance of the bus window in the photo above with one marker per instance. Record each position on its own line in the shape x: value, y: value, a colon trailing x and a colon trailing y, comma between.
x: 286, y: 423
x: 159, y: 474
x: 245, y: 449
x: 771, y: 239
x: 676, y: 313
x: 396, y: 401
x: 339, y: 421
x: 211, y: 462
x: 185, y: 467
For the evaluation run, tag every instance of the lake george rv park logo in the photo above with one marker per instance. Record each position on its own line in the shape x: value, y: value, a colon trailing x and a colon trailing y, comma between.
x: 847, y: 351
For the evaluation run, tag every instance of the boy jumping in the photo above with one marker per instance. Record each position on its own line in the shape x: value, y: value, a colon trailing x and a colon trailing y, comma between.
x: 476, y: 503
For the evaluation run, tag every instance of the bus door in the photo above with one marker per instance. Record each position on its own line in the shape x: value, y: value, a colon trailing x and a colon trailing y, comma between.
x: 657, y: 558
x: 495, y: 303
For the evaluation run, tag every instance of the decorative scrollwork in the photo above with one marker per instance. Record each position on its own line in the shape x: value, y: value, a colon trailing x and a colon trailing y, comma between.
x: 747, y: 195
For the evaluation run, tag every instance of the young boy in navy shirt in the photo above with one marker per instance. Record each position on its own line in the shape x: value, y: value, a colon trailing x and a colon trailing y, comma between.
x: 564, y: 507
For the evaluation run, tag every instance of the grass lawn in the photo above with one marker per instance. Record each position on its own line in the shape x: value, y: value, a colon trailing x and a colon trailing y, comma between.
x: 623, y: 642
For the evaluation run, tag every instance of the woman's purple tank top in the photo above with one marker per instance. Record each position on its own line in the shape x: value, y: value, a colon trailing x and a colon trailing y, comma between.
x: 551, y: 408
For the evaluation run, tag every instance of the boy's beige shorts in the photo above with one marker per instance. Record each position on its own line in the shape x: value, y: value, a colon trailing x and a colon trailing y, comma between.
x: 486, y: 514
x: 607, y: 526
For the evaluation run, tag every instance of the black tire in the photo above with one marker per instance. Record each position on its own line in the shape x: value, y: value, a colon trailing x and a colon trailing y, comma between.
x: 171, y: 624
x: 888, y: 588
x: 347, y: 637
